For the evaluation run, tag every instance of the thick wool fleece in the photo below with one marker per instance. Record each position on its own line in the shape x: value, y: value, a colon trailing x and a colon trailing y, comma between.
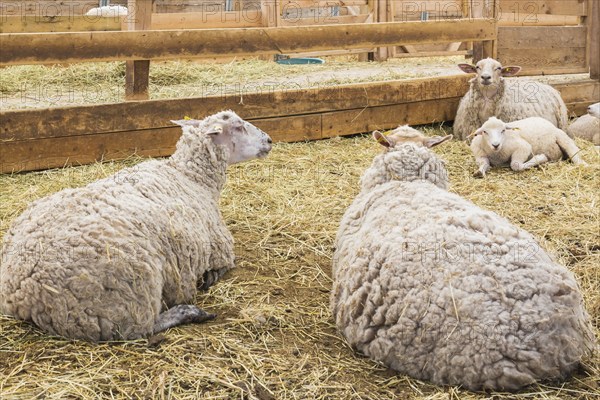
x: 586, y: 127
x: 436, y: 288
x: 101, y: 262
x: 515, y: 99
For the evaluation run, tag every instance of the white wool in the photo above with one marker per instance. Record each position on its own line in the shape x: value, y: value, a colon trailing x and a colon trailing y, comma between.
x: 507, y: 99
x: 439, y: 289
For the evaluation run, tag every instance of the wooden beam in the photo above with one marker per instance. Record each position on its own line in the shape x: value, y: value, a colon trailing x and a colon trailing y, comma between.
x: 416, y: 105
x: 532, y: 8
x: 594, y: 45
x: 137, y: 72
x: 72, y: 23
x: 39, y: 48
x: 102, y: 118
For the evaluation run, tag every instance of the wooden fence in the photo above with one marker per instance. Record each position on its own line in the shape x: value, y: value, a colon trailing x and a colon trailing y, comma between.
x: 46, y: 138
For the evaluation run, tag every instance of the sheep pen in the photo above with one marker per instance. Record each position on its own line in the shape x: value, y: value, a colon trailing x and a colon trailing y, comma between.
x: 274, y: 337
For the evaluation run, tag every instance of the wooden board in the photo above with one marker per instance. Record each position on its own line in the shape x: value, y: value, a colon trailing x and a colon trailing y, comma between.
x: 538, y: 20
x: 205, y: 20
x: 39, y: 48
x: 348, y: 122
x: 415, y: 106
x: 47, y: 7
x: 544, y: 61
x: 82, y: 120
x: 21, y: 24
x: 594, y: 40
x: 528, y: 37
x: 537, y: 7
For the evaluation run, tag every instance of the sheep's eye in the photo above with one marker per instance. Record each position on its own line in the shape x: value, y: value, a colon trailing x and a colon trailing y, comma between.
x: 503, y: 130
x: 477, y: 67
x: 485, y: 132
x: 499, y: 69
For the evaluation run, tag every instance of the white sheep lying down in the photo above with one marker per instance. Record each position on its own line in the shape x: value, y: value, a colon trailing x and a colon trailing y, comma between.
x: 588, y: 125
x: 122, y: 257
x: 439, y: 289
x: 521, y: 144
x: 507, y: 99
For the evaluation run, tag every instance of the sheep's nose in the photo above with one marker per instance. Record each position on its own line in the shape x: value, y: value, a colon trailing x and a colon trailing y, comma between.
x: 486, y: 77
x: 496, y: 145
x: 269, y: 140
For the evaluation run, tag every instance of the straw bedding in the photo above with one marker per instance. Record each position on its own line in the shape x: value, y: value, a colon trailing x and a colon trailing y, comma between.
x: 274, y: 337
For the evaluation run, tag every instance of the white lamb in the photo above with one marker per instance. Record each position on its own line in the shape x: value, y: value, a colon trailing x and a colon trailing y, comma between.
x: 507, y: 99
x: 521, y: 144
x: 588, y: 126
x: 122, y: 257
x: 107, y: 11
x: 439, y: 289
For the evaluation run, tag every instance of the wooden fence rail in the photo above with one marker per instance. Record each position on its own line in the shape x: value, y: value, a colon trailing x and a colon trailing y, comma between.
x: 39, y: 48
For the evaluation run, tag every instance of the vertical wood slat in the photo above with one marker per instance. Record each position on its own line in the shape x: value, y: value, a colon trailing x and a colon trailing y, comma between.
x: 484, y: 9
x: 594, y: 37
x: 137, y: 73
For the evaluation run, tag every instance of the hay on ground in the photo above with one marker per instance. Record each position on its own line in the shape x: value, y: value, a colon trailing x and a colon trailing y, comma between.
x: 274, y: 337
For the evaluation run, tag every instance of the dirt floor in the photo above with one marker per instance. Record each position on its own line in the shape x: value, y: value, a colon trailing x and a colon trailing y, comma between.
x: 274, y: 337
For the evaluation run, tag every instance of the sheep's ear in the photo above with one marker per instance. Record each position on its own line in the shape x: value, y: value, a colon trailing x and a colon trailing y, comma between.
x: 381, y: 139
x: 475, y: 133
x: 215, y: 129
x: 187, y: 122
x: 510, y: 71
x: 435, y: 140
x: 468, y: 68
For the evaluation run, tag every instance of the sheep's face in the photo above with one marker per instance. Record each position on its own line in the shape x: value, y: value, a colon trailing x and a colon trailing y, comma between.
x: 489, y: 71
x: 594, y: 110
x: 493, y: 132
x: 243, y: 140
x: 405, y: 134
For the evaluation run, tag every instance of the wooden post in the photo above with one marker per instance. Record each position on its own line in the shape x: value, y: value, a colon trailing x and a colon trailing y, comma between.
x: 484, y: 9
x: 381, y: 53
x: 594, y: 38
x: 137, y: 72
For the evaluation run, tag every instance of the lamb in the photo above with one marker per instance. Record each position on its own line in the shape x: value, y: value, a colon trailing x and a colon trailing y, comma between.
x: 521, y: 144
x: 107, y: 11
x: 122, y: 257
x: 587, y: 126
x: 507, y: 99
x: 439, y: 289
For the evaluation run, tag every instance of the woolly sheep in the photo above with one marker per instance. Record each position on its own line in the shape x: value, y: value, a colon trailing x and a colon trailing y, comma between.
x: 122, y: 257
x: 594, y: 110
x: 521, y: 144
x: 107, y: 11
x: 439, y: 289
x: 588, y: 126
x: 507, y: 99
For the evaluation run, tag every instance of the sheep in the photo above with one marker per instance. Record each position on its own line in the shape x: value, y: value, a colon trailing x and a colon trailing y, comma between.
x: 507, y: 99
x: 594, y: 110
x: 434, y: 287
x: 587, y: 126
x: 122, y: 257
x: 107, y: 11
x: 521, y: 144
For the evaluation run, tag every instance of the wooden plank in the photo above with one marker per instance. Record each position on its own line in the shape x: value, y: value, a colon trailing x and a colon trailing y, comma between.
x: 82, y: 120
x: 29, y: 23
x: 348, y: 122
x: 411, y: 10
x: 445, y: 53
x: 531, y: 8
x: 546, y: 60
x: 57, y: 152
x: 319, y: 3
x: 47, y: 7
x: 137, y: 72
x: 538, y: 20
x: 203, y: 20
x: 528, y: 37
x: 594, y: 44
x: 326, y: 20
x: 38, y: 48
x: 578, y: 92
